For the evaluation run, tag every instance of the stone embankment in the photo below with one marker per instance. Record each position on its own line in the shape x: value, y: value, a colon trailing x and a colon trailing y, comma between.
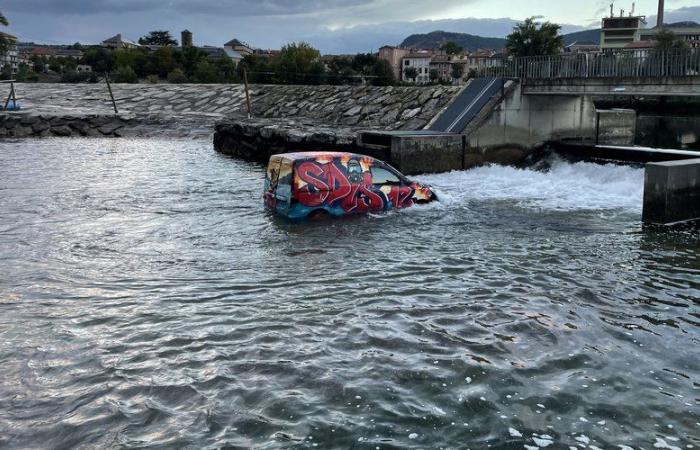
x: 28, y: 125
x: 194, y: 109
x: 257, y: 139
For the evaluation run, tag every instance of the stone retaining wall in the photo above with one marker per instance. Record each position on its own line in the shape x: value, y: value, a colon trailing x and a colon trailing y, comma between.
x: 14, y: 125
x: 204, y: 105
x: 257, y: 139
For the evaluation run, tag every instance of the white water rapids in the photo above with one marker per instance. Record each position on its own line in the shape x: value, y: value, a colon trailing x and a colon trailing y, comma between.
x: 566, y: 186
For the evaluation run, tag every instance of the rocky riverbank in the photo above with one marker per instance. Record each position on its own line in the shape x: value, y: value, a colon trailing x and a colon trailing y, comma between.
x: 257, y: 139
x: 194, y: 109
x: 16, y: 125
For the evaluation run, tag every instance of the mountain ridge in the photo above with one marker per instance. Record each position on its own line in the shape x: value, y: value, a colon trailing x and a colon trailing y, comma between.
x: 472, y: 42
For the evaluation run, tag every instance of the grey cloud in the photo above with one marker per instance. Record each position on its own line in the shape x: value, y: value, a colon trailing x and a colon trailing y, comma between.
x: 232, y: 8
x: 689, y: 13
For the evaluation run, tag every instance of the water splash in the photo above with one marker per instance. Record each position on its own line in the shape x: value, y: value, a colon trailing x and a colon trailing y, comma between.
x: 579, y: 186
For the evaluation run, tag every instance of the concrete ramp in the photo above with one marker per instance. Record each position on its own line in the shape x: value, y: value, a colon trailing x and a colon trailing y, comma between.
x: 467, y: 105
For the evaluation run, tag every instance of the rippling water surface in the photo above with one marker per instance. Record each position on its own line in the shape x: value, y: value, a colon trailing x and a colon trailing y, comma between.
x: 146, y: 299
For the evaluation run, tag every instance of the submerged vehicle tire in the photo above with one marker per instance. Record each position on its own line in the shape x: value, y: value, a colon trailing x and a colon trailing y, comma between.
x: 319, y: 214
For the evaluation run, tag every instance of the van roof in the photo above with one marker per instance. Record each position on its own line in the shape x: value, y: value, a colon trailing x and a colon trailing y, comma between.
x: 297, y: 156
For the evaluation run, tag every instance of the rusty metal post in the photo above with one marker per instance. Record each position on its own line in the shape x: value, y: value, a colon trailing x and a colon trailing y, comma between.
x: 111, y: 95
x: 11, y: 95
x: 247, y: 93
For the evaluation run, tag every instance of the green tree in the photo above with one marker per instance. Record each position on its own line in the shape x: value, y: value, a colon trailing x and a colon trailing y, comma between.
x: 384, y: 73
x: 163, y: 62
x: 23, y: 72
x: 434, y: 75
x: 4, y: 42
x: 227, y: 68
x: 177, y: 76
x: 159, y: 37
x: 295, y: 60
x: 38, y: 64
x: 451, y: 48
x: 457, y: 71
x: 364, y: 62
x: 207, y: 73
x: 668, y: 42
x: 55, y: 65
x: 411, y: 73
x: 125, y: 74
x: 530, y: 38
x: 100, y: 59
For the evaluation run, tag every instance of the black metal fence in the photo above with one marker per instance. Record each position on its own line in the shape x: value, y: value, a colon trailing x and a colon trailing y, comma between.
x: 628, y: 64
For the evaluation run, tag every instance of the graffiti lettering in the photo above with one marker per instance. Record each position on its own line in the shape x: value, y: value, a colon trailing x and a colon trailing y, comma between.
x: 346, y: 184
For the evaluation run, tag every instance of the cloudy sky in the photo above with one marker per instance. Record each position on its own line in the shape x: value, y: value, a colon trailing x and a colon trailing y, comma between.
x: 334, y: 26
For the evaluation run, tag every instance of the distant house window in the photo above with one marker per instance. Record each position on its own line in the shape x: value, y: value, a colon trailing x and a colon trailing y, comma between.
x: 406, y: 63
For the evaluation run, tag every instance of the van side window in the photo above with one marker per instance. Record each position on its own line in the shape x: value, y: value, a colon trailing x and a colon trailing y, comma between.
x: 381, y: 175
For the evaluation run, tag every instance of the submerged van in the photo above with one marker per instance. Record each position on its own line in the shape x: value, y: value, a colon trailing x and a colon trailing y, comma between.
x: 320, y: 184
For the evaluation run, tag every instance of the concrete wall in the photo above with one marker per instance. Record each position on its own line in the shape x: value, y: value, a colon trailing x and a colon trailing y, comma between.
x: 672, y: 192
x: 668, y: 132
x: 616, y: 127
x: 414, y: 154
x: 637, y: 86
x: 530, y: 120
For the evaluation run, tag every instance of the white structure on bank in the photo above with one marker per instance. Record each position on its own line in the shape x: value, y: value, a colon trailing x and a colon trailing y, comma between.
x: 419, y: 61
x: 117, y: 42
x: 10, y: 56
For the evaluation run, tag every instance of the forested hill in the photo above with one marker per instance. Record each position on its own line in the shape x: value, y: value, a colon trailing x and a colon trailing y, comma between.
x: 466, y: 41
x: 472, y: 42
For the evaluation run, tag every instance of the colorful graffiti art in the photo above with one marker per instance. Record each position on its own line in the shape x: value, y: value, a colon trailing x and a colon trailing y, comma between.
x: 351, y: 184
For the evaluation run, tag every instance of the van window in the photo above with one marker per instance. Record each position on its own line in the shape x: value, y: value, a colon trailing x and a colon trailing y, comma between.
x: 381, y: 175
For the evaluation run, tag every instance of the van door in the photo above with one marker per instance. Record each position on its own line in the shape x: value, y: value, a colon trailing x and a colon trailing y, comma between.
x: 283, y: 193
x: 271, y: 181
x: 278, y: 184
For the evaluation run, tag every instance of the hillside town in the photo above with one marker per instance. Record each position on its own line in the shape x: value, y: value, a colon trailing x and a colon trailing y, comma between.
x: 443, y: 63
x: 163, y: 58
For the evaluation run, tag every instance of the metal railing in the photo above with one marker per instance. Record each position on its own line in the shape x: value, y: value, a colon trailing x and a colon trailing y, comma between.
x: 626, y: 64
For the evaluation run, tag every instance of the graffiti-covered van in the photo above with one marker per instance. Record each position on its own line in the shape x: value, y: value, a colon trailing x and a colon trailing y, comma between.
x: 319, y: 184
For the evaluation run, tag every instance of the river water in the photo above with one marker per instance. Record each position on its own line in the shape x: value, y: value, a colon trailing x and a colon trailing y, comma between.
x: 147, y: 300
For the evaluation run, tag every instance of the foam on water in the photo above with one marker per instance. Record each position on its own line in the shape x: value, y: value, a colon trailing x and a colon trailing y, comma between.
x: 566, y: 186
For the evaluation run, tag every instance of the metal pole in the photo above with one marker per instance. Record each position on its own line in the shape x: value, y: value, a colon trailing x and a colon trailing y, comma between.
x: 9, y: 96
x: 111, y: 95
x: 247, y: 93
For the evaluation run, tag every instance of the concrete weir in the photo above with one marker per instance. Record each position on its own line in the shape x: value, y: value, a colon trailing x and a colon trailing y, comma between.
x: 672, y: 192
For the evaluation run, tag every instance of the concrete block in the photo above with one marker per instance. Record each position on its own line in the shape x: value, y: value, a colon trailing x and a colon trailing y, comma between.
x: 672, y: 192
x: 616, y: 126
x: 413, y: 154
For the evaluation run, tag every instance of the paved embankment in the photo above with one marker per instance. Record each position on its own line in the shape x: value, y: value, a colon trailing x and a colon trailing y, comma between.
x: 190, y: 108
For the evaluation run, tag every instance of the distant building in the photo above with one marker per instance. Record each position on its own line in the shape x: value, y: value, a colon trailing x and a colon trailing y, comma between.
x: 240, y: 47
x: 582, y: 47
x: 617, y: 32
x: 118, y: 42
x: 68, y: 53
x: 186, y: 39
x: 266, y: 53
x: 394, y: 56
x: 687, y: 31
x: 219, y: 53
x: 442, y: 64
x: 419, y: 61
x: 9, y: 59
x: 44, y: 52
x: 482, y: 59
x: 639, y: 48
